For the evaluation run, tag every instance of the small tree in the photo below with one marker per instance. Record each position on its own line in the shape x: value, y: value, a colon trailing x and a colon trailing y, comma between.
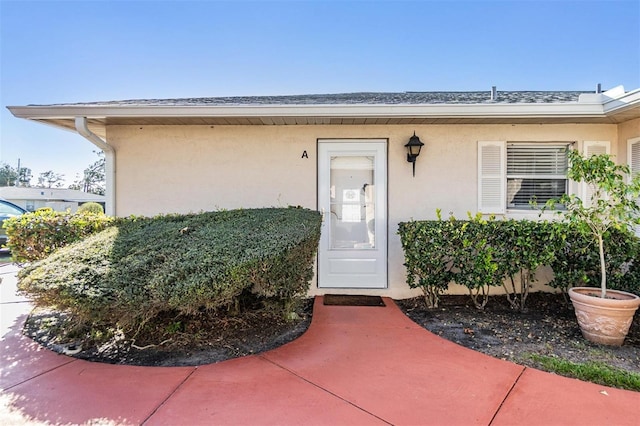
x: 613, y: 202
x: 24, y: 176
x: 93, y: 179
x: 8, y: 175
x: 50, y: 179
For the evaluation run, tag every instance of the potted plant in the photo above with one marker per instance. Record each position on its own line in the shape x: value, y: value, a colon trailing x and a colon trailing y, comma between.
x: 604, y: 315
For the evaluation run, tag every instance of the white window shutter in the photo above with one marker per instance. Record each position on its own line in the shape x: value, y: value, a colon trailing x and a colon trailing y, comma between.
x: 633, y: 159
x: 590, y: 148
x: 491, y: 177
x: 633, y: 155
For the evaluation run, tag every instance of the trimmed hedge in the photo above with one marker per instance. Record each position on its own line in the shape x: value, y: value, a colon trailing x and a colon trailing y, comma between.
x: 481, y: 254
x: 576, y: 260
x: 35, y: 235
x: 91, y: 207
x: 187, y: 264
x: 428, y: 255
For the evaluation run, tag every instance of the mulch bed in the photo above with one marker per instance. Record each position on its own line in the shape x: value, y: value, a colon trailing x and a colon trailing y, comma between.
x: 548, y: 327
x: 197, y: 341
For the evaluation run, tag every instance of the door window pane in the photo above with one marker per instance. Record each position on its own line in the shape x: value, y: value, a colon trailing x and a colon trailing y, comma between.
x: 352, y: 202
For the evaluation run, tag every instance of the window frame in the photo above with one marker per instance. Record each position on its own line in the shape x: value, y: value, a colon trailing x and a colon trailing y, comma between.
x: 631, y: 162
x: 495, y: 190
x: 528, y: 144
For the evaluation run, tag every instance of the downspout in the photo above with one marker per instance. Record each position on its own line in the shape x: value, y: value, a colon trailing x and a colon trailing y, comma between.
x: 109, y: 163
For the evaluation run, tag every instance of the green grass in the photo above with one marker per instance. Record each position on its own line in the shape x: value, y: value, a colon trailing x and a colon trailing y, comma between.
x: 595, y: 372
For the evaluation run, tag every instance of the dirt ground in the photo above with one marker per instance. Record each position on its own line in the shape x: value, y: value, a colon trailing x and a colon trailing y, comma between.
x: 185, y: 343
x: 547, y: 328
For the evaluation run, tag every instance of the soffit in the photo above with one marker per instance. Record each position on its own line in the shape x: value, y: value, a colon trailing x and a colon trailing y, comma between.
x: 98, y: 125
x: 408, y: 108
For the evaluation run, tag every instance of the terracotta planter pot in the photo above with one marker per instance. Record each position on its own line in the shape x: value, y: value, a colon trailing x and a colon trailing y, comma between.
x: 604, y: 321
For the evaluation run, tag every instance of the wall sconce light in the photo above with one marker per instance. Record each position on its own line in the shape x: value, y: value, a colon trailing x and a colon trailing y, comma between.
x: 413, y: 150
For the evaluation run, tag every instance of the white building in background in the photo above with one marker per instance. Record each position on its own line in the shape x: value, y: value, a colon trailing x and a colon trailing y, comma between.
x: 59, y: 199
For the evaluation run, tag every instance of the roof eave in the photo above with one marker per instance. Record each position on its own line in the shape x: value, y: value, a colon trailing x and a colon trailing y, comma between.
x: 348, y: 111
x: 628, y: 101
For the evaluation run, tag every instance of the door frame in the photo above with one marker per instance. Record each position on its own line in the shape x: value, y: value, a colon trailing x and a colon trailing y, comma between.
x: 381, y: 145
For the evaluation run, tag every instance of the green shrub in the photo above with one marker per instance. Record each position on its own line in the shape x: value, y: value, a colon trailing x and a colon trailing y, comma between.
x: 522, y: 247
x: 474, y: 250
x: 630, y: 281
x: 622, y: 261
x: 428, y: 257
x: 441, y: 251
x: 575, y: 257
x: 34, y: 236
x: 613, y: 203
x: 576, y: 260
x: 91, y: 207
x: 188, y: 264
x: 480, y: 254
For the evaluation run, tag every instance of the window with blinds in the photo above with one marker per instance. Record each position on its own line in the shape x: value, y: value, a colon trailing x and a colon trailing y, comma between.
x: 535, y: 173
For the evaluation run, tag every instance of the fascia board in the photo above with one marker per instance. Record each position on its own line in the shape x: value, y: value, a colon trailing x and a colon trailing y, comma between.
x: 455, y: 111
x: 629, y: 100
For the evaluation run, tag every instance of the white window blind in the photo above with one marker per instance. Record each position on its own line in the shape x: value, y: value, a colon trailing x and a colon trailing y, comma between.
x: 535, y: 173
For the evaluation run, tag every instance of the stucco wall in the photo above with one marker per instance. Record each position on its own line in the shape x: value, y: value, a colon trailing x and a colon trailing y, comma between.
x: 626, y: 131
x: 162, y: 169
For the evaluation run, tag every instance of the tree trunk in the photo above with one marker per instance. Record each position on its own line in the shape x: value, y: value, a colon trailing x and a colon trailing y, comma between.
x: 603, y: 269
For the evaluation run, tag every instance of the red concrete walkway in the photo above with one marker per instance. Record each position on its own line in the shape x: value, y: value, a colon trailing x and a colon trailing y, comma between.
x: 354, y: 366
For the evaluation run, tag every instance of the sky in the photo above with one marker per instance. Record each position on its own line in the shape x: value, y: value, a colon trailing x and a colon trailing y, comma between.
x: 83, y: 51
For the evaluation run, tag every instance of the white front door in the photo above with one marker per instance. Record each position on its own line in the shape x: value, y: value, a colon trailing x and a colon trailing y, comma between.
x: 352, y: 194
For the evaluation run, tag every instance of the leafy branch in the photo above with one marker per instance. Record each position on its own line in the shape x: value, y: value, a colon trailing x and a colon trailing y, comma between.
x: 612, y: 202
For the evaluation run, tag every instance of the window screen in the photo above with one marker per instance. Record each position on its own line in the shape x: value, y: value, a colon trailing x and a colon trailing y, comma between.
x: 535, y: 173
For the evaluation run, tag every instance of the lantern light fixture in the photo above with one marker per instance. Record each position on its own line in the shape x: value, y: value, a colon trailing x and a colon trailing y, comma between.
x: 413, y: 150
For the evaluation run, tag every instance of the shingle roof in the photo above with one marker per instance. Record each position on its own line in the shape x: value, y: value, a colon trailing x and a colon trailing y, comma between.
x: 362, y: 98
x: 525, y: 107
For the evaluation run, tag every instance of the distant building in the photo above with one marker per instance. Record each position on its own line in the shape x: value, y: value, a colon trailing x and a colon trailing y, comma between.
x: 59, y: 199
